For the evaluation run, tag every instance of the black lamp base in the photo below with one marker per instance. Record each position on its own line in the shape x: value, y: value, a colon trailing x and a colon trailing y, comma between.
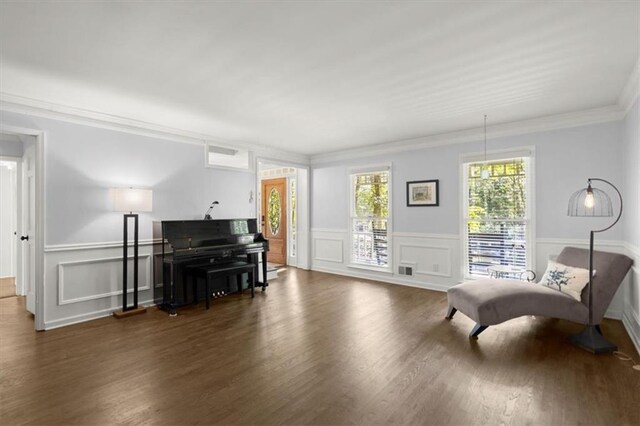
x: 591, y: 340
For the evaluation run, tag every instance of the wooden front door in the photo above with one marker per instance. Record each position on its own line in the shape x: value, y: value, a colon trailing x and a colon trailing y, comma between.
x: 274, y: 218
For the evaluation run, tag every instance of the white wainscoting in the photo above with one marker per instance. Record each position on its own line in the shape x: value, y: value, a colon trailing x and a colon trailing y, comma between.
x: 101, y: 278
x: 84, y: 281
x: 631, y: 308
x: 328, y: 249
x: 436, y: 259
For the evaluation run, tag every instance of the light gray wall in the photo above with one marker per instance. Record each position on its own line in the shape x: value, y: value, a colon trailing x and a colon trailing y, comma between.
x: 564, y: 159
x: 631, y: 149
x: 82, y: 163
x: 631, y: 191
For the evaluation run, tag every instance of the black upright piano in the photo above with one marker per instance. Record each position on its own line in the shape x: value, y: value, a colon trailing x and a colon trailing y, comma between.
x: 214, y: 242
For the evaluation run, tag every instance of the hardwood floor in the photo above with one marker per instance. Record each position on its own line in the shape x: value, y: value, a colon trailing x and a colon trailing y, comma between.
x: 7, y: 287
x: 314, y: 349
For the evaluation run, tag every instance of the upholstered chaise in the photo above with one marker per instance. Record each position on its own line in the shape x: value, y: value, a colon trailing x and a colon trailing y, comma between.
x: 493, y: 301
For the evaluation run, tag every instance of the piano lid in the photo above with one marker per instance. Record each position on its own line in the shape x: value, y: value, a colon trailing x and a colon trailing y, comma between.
x: 198, y: 234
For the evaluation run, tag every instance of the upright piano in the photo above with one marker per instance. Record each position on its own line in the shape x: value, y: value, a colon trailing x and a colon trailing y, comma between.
x: 212, y: 242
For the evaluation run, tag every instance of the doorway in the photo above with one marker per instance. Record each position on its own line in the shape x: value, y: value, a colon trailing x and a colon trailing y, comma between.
x: 283, y: 212
x: 9, y: 213
x: 273, y: 218
x: 21, y: 217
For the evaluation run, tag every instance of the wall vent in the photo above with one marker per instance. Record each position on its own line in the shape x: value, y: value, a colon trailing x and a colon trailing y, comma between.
x: 405, y: 270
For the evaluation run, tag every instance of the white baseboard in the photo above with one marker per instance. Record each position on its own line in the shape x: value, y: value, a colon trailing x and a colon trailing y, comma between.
x: 614, y: 315
x: 383, y: 279
x: 632, y: 325
x: 63, y: 322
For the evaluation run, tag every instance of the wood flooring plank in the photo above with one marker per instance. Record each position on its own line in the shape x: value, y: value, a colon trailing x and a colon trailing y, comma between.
x: 317, y: 349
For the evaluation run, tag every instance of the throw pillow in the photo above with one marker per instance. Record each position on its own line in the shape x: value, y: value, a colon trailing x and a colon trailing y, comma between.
x: 566, y: 279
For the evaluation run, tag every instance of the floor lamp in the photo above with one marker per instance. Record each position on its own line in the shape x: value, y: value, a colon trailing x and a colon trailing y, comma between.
x: 130, y: 200
x: 592, y: 202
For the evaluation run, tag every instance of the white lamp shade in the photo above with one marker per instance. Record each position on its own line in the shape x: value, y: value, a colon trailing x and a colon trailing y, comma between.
x: 132, y: 200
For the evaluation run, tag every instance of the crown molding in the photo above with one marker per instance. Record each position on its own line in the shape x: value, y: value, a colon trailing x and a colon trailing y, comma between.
x: 631, y: 90
x: 535, y: 125
x: 23, y: 105
x: 35, y: 107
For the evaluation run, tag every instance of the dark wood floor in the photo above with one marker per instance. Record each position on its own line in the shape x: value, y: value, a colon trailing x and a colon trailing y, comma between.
x: 314, y: 349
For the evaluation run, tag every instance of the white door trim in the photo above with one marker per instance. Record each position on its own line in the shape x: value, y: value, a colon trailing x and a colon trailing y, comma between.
x: 303, y: 229
x: 40, y: 215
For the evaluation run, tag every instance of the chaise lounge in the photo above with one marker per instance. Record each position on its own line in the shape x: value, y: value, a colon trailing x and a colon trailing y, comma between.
x: 493, y: 301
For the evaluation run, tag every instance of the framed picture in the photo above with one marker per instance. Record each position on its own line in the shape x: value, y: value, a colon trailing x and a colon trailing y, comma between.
x: 423, y: 193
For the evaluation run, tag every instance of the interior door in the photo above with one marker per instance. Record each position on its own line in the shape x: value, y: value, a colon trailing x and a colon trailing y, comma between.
x: 29, y: 227
x: 274, y: 218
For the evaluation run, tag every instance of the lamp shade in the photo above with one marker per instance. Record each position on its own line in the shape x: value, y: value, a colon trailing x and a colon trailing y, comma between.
x: 590, y: 202
x: 132, y: 200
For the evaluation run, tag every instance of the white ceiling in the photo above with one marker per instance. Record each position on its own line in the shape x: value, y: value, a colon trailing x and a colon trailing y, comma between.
x: 316, y: 77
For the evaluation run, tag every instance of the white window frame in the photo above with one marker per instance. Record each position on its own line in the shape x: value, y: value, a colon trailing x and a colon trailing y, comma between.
x: 528, y: 153
x: 365, y: 170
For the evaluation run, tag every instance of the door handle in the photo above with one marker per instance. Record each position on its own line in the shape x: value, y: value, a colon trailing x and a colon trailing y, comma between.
x: 24, y: 237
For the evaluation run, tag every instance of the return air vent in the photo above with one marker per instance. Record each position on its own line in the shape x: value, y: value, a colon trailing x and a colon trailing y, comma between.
x: 405, y: 270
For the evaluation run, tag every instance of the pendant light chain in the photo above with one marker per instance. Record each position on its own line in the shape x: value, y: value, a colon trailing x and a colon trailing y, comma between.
x: 485, y: 138
x: 484, y: 172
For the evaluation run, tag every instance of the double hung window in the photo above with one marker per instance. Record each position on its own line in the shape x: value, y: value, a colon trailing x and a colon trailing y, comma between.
x: 369, y: 227
x: 497, y: 219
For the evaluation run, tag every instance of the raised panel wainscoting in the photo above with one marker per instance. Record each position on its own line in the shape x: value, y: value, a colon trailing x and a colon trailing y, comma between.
x: 436, y: 264
x: 84, y: 281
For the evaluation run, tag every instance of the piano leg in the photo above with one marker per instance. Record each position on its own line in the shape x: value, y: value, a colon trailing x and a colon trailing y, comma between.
x: 174, y: 285
x: 264, y: 271
x: 252, y: 283
x: 169, y: 276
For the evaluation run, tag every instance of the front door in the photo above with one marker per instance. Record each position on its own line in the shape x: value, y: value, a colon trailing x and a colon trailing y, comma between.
x: 274, y: 218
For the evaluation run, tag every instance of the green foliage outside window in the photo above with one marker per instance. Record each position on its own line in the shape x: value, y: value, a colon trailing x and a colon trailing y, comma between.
x: 501, y: 196
x: 372, y: 195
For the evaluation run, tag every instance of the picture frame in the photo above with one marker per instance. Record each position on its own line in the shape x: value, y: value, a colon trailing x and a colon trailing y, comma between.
x: 423, y: 193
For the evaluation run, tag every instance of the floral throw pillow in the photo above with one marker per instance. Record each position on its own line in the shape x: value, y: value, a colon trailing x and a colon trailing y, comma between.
x: 566, y: 279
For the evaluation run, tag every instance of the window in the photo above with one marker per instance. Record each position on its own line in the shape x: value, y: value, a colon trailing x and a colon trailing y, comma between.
x: 238, y: 159
x: 497, y: 217
x: 370, y: 219
x: 293, y: 225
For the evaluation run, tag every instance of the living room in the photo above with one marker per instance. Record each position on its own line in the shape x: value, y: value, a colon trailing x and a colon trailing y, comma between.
x: 413, y: 101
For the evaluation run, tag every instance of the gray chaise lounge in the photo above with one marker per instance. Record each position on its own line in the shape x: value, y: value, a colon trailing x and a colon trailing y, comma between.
x: 493, y: 301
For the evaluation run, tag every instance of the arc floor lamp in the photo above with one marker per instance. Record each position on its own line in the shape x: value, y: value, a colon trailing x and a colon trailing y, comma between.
x: 130, y: 200
x: 593, y: 202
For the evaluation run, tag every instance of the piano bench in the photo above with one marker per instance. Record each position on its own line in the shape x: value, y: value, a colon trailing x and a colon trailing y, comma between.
x: 211, y: 272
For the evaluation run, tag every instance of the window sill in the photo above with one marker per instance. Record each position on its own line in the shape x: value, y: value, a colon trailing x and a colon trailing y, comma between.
x: 371, y: 268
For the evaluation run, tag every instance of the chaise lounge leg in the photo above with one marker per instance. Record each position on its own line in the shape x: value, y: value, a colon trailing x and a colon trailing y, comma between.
x: 477, y: 329
x: 451, y: 312
x: 598, y: 329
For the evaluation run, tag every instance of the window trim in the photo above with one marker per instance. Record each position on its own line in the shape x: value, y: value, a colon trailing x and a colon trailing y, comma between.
x: 384, y: 167
x: 527, y: 152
